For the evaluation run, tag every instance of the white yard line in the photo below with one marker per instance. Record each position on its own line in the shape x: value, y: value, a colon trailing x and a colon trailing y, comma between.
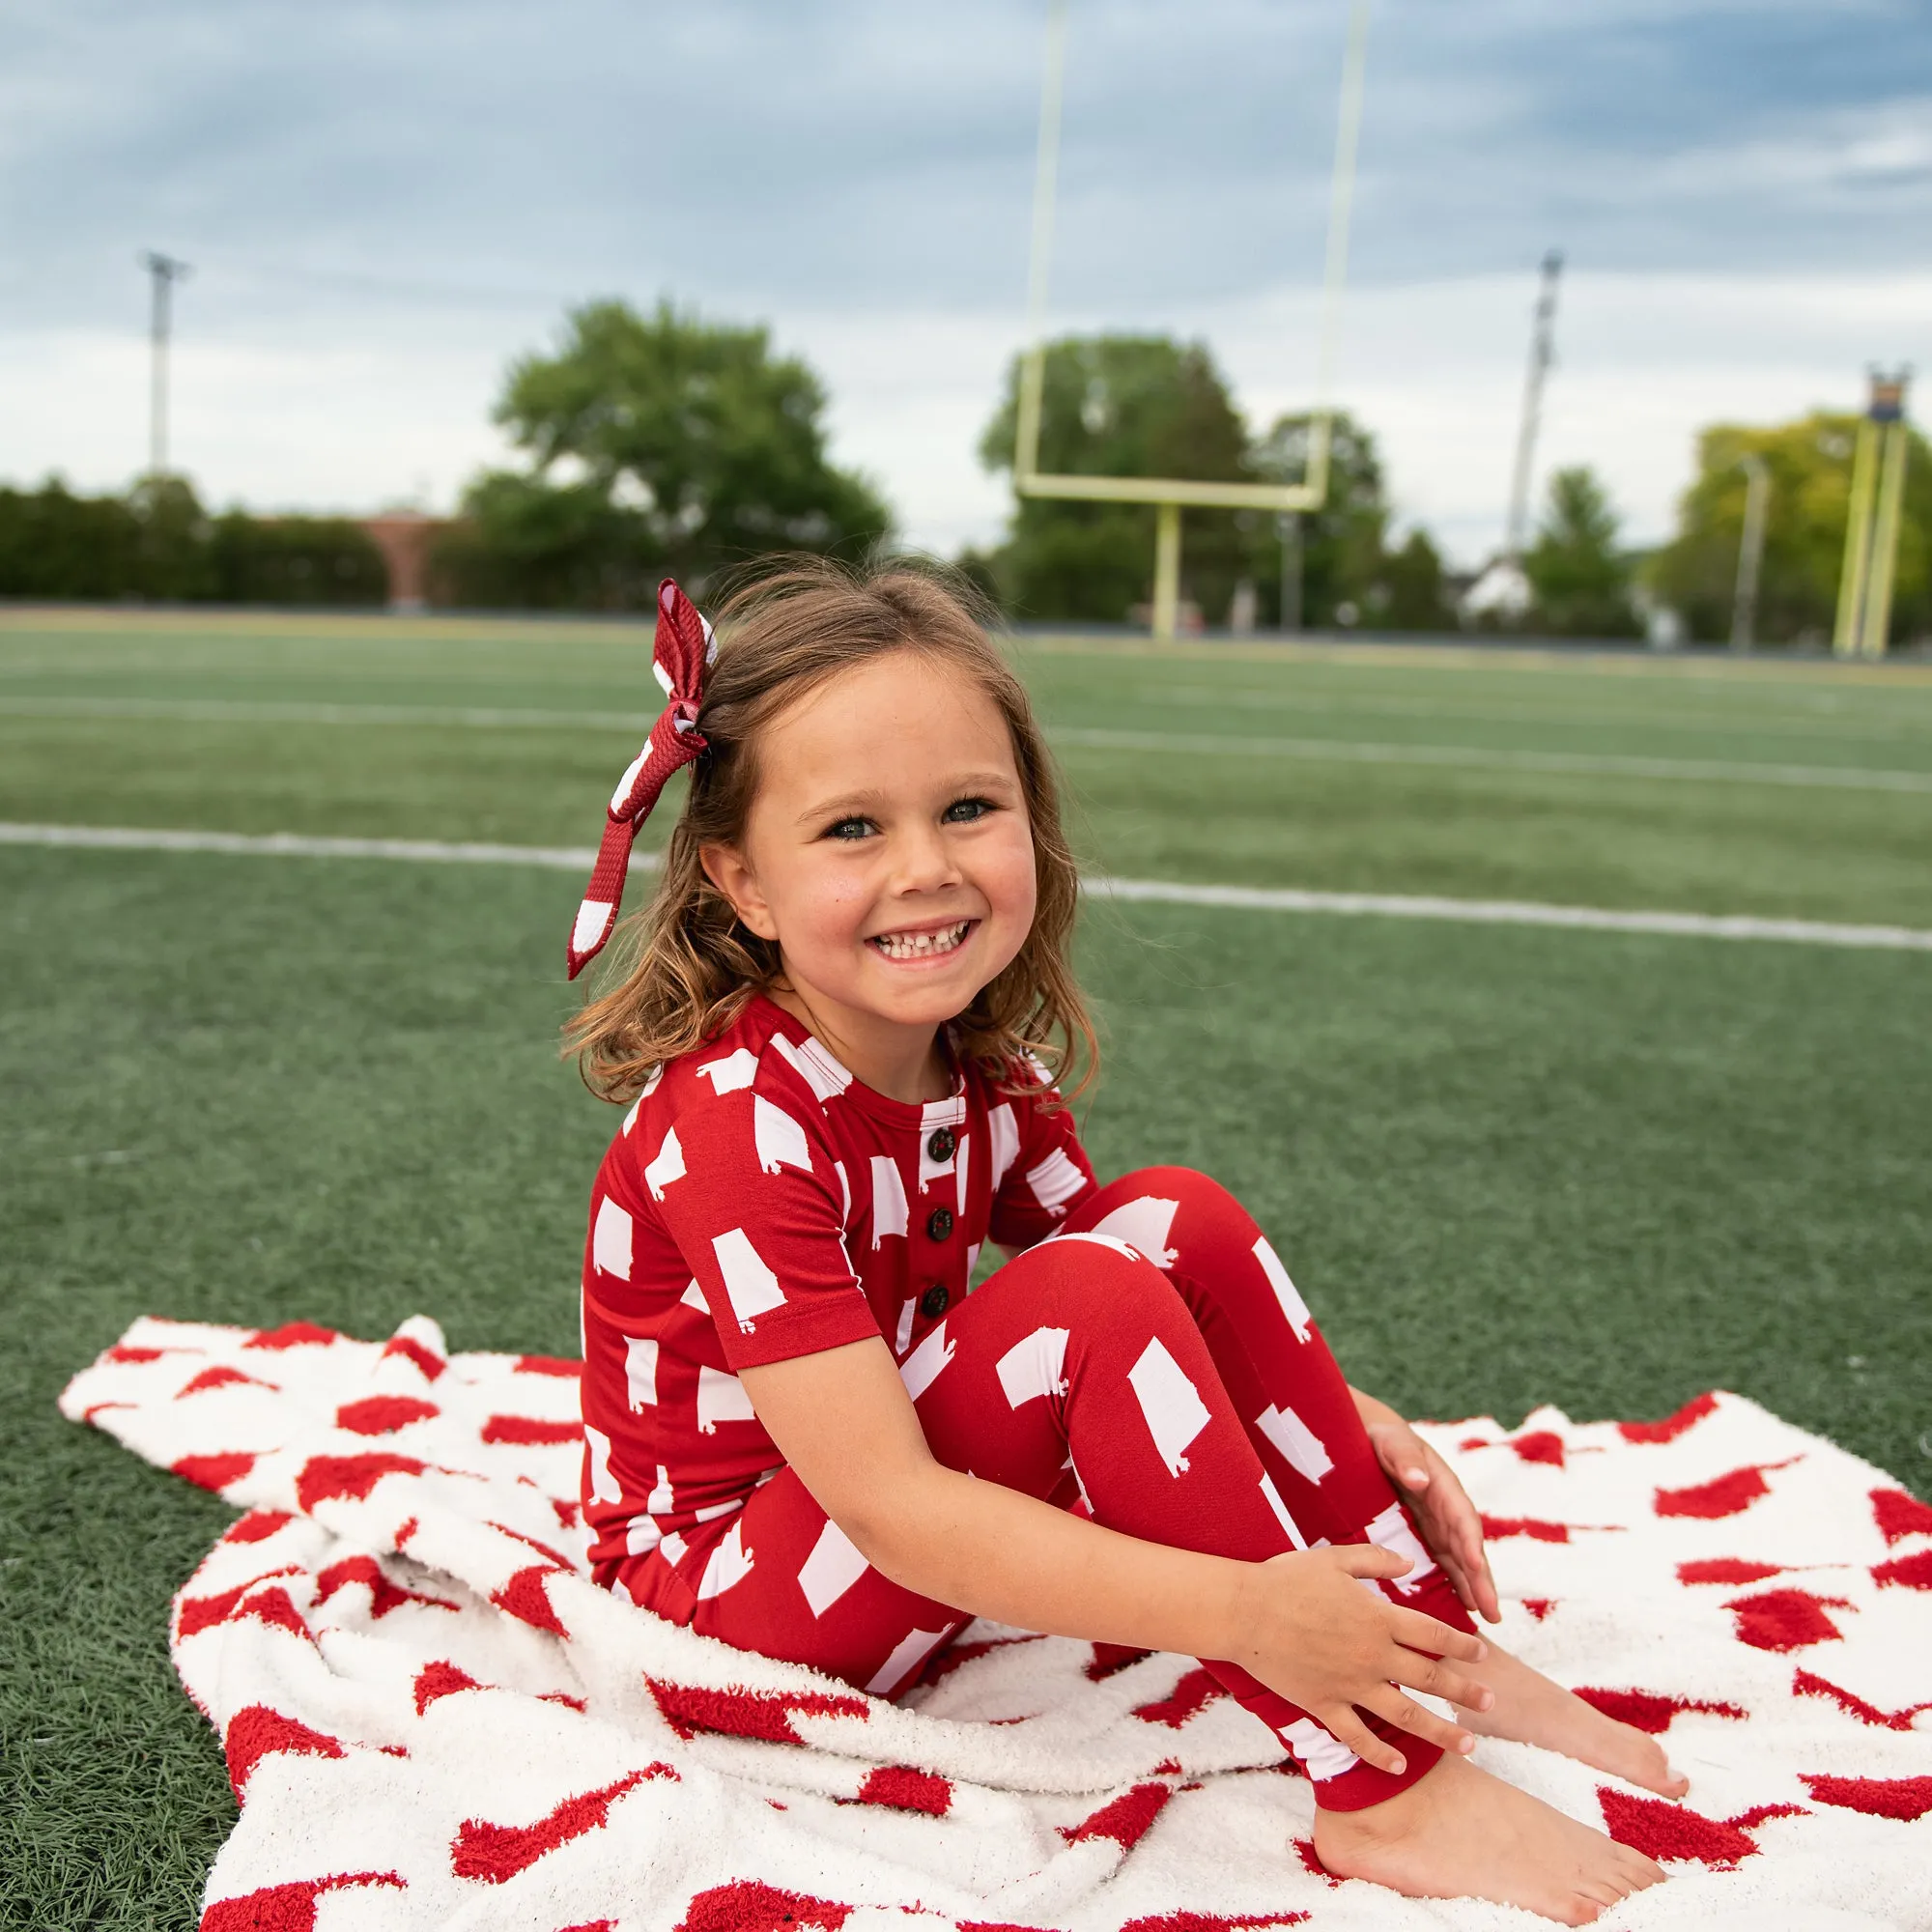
x: 1599, y: 764
x: 1250, y: 898
x: 1186, y: 744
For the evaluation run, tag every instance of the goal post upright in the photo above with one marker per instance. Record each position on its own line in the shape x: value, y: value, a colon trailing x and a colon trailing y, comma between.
x: 1171, y: 494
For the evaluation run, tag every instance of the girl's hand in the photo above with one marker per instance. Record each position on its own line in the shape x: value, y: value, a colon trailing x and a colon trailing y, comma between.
x: 1328, y: 1646
x: 1443, y: 1513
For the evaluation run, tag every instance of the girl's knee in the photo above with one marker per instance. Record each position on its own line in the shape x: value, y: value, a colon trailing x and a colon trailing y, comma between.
x: 1145, y: 1207
x: 1077, y: 1270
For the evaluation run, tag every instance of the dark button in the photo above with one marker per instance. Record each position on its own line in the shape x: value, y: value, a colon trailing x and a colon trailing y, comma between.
x: 940, y: 1144
x: 932, y: 1303
x: 939, y: 1223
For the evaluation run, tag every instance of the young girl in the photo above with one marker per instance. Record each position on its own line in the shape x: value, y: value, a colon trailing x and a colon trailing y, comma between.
x: 805, y: 1438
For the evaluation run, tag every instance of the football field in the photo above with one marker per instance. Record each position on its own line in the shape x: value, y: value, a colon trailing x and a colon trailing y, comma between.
x: 1507, y: 1162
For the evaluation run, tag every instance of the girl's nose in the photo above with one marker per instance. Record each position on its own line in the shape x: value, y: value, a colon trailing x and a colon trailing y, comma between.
x: 926, y: 862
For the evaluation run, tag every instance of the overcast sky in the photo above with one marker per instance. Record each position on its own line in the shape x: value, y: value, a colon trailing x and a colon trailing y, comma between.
x: 384, y: 203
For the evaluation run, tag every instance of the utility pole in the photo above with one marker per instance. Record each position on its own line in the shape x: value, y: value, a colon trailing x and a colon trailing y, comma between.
x: 1541, y: 352
x: 1750, y: 550
x: 165, y: 271
x: 1873, y: 522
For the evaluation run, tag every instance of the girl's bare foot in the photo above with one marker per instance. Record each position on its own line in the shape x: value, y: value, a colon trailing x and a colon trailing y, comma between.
x: 1530, y: 1709
x: 1459, y: 1833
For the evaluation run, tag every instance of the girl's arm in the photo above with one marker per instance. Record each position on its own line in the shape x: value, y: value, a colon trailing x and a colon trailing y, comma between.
x: 1301, y: 1623
x: 1448, y: 1520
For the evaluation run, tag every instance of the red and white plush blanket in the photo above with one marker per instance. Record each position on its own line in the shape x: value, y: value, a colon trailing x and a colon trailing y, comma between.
x: 433, y: 1718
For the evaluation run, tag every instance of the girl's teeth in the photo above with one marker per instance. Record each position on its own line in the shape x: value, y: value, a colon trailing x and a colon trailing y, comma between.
x: 921, y: 945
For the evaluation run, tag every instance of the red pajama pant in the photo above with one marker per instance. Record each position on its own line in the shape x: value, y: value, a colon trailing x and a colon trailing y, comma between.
x: 1166, y: 1361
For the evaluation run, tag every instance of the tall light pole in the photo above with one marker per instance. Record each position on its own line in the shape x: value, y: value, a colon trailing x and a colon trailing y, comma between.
x: 1750, y: 550
x: 165, y: 273
x: 1541, y: 352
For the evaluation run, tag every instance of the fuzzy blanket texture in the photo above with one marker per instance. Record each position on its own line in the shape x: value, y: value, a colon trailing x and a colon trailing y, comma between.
x: 432, y: 1717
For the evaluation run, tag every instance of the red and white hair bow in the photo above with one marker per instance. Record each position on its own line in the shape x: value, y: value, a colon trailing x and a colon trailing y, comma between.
x: 684, y: 650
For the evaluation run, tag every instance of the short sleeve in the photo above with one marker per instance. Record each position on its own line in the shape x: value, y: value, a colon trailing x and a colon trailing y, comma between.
x: 1040, y: 1169
x: 744, y: 1187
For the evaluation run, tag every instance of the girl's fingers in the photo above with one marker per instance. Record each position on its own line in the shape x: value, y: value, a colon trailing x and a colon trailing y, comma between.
x: 1414, y: 1631
x: 1418, y: 1721
x: 1347, y: 1729
x: 1425, y: 1673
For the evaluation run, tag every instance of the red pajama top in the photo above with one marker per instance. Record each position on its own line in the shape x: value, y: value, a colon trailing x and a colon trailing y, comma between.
x: 760, y: 1203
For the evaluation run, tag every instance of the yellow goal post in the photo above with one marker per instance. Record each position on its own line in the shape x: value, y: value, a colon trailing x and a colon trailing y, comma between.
x: 1171, y: 494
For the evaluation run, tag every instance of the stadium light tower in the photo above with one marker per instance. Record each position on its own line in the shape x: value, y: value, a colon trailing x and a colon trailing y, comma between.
x: 165, y: 273
x: 1169, y: 494
x: 1542, y: 354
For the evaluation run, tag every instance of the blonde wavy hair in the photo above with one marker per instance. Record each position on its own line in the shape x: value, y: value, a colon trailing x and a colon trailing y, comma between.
x: 689, y: 967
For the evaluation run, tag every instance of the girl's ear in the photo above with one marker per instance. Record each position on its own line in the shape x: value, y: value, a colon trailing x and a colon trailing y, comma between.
x: 725, y: 868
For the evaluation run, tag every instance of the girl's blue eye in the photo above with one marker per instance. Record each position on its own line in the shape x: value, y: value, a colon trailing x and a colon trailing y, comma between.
x: 849, y: 828
x: 964, y: 811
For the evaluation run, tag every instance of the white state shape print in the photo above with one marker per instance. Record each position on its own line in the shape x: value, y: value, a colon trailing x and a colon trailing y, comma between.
x: 752, y: 1286
x: 889, y: 1212
x: 1285, y: 1290
x: 663, y: 1499
x: 921, y: 1368
x: 1063, y: 1237
x: 934, y: 1114
x: 1323, y: 1755
x: 1144, y: 1224
x: 668, y: 1167
x: 777, y: 1137
x: 693, y: 1298
x: 1272, y: 1497
x: 593, y: 917
x: 720, y: 1397
x: 908, y: 1653
x: 1003, y: 1136
x: 729, y: 1563
x: 611, y: 1240
x: 1035, y: 1367
x: 1170, y: 1404
x: 1301, y: 1448
x: 641, y: 1535
x: 1390, y: 1531
x: 816, y: 1067
x: 833, y: 1566
x: 641, y: 1372
x: 1055, y: 1181
x: 733, y: 1072
x: 844, y: 1193
x: 631, y: 1114
x: 604, y: 1486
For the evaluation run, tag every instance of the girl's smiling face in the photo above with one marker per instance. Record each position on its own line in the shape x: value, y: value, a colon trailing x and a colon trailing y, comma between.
x: 888, y: 855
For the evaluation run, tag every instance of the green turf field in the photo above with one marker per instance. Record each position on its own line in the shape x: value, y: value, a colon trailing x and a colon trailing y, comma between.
x: 1506, y: 1165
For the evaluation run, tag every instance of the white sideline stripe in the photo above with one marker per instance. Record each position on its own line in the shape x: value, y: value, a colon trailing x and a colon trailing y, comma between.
x: 1516, y: 912
x: 256, y: 711
x: 1602, y: 764
x: 299, y: 846
x: 1317, y: 751
x: 1158, y: 892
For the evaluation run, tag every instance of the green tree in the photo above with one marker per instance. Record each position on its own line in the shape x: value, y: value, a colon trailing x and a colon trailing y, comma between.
x: 1343, y: 565
x: 1809, y: 465
x: 1413, y: 594
x: 656, y: 443
x: 1579, y: 581
x: 1120, y: 405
